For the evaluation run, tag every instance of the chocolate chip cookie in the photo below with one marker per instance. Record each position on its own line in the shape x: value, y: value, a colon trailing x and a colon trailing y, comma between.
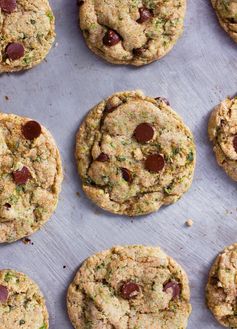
x: 135, y: 32
x: 22, y: 305
x: 129, y: 287
x: 226, y: 11
x: 134, y: 154
x: 30, y: 176
x: 222, y: 131
x: 222, y: 286
x: 27, y: 33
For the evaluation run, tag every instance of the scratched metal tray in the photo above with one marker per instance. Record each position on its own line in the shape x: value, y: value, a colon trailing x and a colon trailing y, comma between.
x: 195, y: 76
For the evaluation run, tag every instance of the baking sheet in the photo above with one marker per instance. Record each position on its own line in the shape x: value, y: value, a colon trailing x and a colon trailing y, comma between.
x: 195, y: 76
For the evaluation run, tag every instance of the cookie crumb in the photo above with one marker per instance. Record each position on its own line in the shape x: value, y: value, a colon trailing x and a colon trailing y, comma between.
x: 64, y: 266
x: 27, y: 241
x: 6, y: 98
x: 78, y: 194
x: 189, y: 222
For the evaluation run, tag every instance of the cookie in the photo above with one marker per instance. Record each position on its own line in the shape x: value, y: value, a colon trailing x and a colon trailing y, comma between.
x: 222, y: 131
x: 27, y: 33
x: 221, y: 287
x: 131, y: 32
x: 30, y: 176
x: 226, y: 11
x: 134, y: 154
x: 129, y: 287
x: 22, y: 305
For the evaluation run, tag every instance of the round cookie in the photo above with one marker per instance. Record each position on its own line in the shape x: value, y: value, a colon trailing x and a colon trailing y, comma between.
x: 27, y: 33
x: 129, y: 287
x: 22, y: 305
x: 226, y: 11
x: 30, y: 176
x: 134, y: 154
x: 222, y: 131
x: 131, y: 32
x: 221, y: 287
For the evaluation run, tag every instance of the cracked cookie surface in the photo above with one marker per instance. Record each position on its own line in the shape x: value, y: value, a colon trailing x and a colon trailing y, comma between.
x: 30, y: 176
x: 27, y: 33
x: 22, y: 305
x: 129, y: 287
x: 134, y: 154
x: 222, y: 131
x: 133, y: 32
x: 226, y: 11
x: 221, y: 287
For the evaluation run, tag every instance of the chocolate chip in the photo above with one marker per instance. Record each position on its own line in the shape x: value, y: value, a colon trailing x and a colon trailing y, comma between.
x: 8, y: 6
x: 129, y: 290
x: 145, y: 15
x: 80, y: 3
x: 111, y: 38
x: 103, y: 157
x: 154, y: 162
x: 163, y: 99
x: 144, y: 132
x: 7, y: 205
x: 175, y: 288
x: 235, y: 143
x: 21, y: 176
x: 127, y: 175
x: 139, y: 51
x: 31, y: 130
x: 3, y: 294
x: 15, y: 51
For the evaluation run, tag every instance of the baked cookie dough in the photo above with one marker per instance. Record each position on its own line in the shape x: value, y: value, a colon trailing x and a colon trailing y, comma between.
x: 134, y: 154
x: 26, y: 33
x: 129, y: 287
x: 135, y: 32
x: 22, y: 305
x: 222, y: 131
x: 30, y: 176
x: 222, y: 286
x: 226, y: 11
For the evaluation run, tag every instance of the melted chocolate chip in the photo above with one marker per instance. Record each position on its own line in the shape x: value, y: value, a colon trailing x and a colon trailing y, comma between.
x: 15, y: 51
x: 139, y: 51
x: 127, y: 175
x: 163, y: 99
x: 129, y: 290
x: 145, y: 15
x: 103, y: 157
x: 144, y: 133
x: 21, y: 176
x: 8, y: 6
x: 31, y: 130
x: 3, y: 294
x: 111, y: 38
x: 174, y: 286
x: 235, y: 143
x: 154, y: 162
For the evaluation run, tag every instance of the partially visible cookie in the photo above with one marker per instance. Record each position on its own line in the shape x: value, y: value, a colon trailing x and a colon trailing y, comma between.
x: 27, y: 33
x: 131, y: 32
x: 30, y: 176
x: 134, y: 154
x: 222, y: 286
x: 129, y: 287
x: 22, y: 305
x: 226, y: 11
x: 222, y: 131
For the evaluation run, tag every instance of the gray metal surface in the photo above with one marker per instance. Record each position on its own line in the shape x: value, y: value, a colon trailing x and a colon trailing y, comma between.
x: 195, y: 76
